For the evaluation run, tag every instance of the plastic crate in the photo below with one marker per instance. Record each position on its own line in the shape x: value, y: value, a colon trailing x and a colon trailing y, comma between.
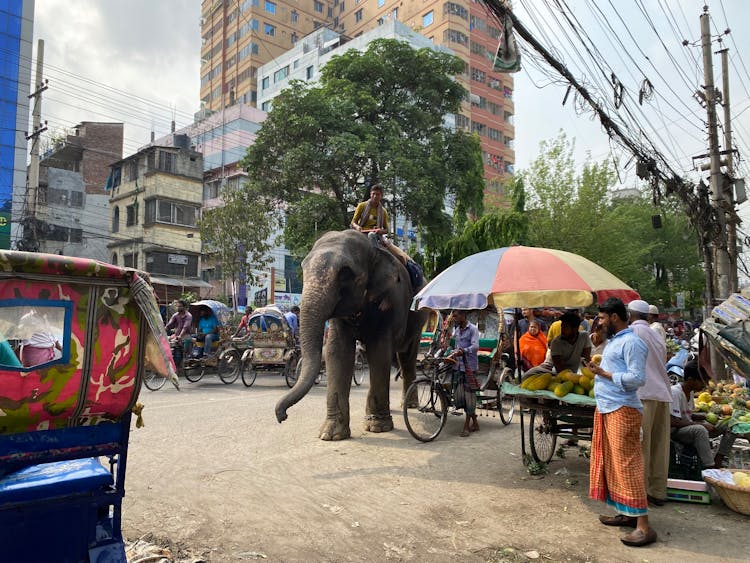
x: 684, y: 495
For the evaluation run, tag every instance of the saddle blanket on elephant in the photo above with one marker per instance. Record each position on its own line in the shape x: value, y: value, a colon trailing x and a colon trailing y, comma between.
x: 415, y: 274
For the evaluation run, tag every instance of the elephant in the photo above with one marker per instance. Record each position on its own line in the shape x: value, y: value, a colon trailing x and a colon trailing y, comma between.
x: 365, y: 294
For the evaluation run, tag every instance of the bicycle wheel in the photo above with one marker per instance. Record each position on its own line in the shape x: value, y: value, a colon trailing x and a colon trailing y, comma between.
x: 506, y: 404
x: 359, y: 369
x: 153, y: 380
x: 290, y: 371
x: 249, y: 373
x: 541, y: 438
x: 425, y: 409
x: 193, y: 370
x: 229, y: 367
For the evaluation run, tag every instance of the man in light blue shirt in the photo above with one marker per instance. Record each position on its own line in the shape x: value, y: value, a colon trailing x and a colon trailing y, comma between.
x: 292, y: 320
x: 616, y: 474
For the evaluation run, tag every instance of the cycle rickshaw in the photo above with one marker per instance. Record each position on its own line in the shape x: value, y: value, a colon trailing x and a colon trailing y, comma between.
x: 66, y: 407
x: 274, y: 347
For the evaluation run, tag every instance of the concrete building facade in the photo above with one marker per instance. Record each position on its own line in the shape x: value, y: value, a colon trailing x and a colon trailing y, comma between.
x: 155, y: 202
x: 72, y: 206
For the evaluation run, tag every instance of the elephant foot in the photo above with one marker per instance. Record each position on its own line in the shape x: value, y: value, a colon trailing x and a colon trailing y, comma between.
x: 378, y: 423
x: 333, y: 430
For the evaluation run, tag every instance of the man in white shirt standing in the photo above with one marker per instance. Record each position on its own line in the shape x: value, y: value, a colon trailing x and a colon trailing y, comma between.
x: 655, y: 396
x: 653, y: 318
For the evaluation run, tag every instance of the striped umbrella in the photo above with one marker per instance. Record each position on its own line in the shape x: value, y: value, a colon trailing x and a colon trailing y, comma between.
x: 522, y: 276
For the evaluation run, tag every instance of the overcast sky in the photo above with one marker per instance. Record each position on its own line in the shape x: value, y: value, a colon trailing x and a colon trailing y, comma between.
x: 137, y: 61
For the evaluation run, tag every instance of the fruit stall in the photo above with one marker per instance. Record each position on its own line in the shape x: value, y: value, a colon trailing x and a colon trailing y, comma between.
x: 559, y: 405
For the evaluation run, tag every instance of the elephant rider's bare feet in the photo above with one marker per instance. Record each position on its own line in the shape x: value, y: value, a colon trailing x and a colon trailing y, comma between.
x: 333, y: 430
x: 378, y: 423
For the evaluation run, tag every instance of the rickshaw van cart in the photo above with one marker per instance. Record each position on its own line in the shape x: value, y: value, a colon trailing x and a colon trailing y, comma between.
x: 65, y: 420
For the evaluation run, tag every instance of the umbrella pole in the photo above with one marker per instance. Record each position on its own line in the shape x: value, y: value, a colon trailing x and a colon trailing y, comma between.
x: 517, y: 354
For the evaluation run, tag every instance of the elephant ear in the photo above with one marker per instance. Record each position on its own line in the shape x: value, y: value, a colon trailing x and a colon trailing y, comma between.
x: 384, y: 278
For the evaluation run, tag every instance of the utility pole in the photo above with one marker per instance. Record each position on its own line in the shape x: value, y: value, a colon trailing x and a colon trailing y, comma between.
x: 721, y: 254
x: 728, y: 188
x: 31, y: 240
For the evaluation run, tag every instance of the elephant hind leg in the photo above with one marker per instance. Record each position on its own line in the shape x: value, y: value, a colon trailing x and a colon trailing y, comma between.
x: 378, y: 423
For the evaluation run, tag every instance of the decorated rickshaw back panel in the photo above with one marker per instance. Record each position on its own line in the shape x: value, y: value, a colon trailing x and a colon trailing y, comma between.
x: 71, y: 345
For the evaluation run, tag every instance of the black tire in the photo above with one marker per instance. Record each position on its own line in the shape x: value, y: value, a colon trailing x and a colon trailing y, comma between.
x: 229, y: 366
x: 290, y: 371
x: 506, y: 404
x: 425, y: 410
x: 359, y: 369
x: 194, y: 371
x: 249, y: 373
x: 153, y: 381
x: 541, y: 438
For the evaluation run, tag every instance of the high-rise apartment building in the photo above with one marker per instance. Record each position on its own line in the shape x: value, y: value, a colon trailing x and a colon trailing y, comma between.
x: 238, y: 37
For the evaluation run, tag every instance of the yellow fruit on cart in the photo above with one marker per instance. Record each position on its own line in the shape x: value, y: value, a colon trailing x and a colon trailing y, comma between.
x: 597, y: 359
x: 579, y: 390
x: 591, y: 392
x: 585, y: 382
x: 704, y: 397
x: 540, y: 382
x: 563, y: 389
x: 587, y: 372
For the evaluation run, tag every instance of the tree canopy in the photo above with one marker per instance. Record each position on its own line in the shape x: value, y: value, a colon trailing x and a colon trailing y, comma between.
x: 377, y: 116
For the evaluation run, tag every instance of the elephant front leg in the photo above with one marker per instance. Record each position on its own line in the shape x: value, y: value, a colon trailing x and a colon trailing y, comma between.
x: 336, y: 424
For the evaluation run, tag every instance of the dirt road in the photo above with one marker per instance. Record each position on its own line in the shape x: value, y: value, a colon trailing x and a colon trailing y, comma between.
x: 217, y: 478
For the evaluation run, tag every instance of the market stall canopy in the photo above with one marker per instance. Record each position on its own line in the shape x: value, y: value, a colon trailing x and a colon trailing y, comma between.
x: 728, y: 328
x: 522, y: 276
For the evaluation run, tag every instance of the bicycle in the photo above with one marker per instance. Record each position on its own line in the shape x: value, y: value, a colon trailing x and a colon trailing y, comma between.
x: 427, y: 400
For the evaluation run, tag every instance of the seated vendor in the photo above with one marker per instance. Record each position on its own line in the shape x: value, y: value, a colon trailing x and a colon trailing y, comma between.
x: 208, y: 332
x: 565, y: 351
x: 689, y: 427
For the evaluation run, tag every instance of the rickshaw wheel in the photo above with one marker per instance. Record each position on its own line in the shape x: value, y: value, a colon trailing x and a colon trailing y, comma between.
x: 194, y: 371
x: 506, y: 404
x: 425, y: 409
x: 541, y: 438
x: 153, y: 380
x: 359, y: 369
x: 290, y: 370
x: 229, y: 367
x: 249, y: 373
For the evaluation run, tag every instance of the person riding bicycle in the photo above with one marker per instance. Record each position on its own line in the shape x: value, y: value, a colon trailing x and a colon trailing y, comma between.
x: 181, y: 323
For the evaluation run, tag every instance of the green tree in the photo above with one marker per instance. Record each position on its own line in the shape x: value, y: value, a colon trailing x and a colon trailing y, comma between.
x: 497, y: 229
x: 577, y: 213
x: 375, y: 116
x: 237, y: 235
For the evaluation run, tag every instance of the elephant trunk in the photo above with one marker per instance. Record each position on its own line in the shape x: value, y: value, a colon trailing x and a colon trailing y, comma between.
x: 315, y: 310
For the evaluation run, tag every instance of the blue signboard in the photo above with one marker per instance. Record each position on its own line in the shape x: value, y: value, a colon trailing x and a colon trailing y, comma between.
x: 11, y: 13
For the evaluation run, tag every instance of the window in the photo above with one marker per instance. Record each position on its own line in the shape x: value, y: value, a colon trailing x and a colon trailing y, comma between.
x: 453, y: 36
x: 394, y: 13
x: 114, y: 258
x: 211, y: 190
x: 358, y: 15
x: 130, y: 260
x: 76, y: 199
x: 451, y: 8
x: 341, y: 7
x: 462, y: 122
x: 428, y: 18
x: 310, y: 72
x: 167, y: 161
x: 51, y: 317
x: 268, y: 29
x: 133, y: 166
x: 131, y: 215
x: 294, y: 39
x: 294, y: 16
x: 265, y: 106
x: 281, y: 74
x: 270, y: 7
x: 116, y: 219
x: 478, y: 75
x: 381, y: 3
x: 494, y: 134
x: 508, y: 142
x: 479, y: 128
x: 318, y: 6
x: 477, y: 24
x: 508, y: 117
x: 158, y: 211
x: 265, y: 83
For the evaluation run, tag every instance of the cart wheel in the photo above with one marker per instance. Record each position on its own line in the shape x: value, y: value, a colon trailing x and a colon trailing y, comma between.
x: 249, y: 374
x: 425, y: 409
x: 229, y: 367
x: 359, y: 369
x: 290, y: 371
x: 506, y: 404
x: 541, y: 438
x: 194, y: 371
x: 153, y: 380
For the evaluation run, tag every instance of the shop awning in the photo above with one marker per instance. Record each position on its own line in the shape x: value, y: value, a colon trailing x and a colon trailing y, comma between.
x: 173, y: 282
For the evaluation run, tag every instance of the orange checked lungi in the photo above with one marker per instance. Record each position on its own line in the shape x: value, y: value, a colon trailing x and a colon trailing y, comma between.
x: 616, y: 471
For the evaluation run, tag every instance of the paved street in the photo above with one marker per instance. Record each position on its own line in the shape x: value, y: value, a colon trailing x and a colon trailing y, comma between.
x: 214, y: 475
